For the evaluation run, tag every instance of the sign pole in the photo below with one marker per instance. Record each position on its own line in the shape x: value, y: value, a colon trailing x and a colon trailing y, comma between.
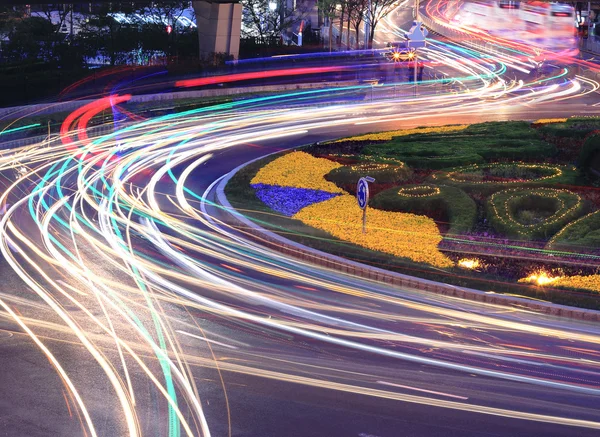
x: 415, y: 61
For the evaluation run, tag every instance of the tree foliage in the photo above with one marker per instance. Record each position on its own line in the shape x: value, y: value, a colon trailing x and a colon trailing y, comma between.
x: 268, y: 19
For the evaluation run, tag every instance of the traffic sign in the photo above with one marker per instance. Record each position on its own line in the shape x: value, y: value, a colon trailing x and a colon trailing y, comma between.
x: 362, y: 193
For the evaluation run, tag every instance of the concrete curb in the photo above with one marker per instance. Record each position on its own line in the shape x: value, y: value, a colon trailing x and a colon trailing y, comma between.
x: 334, y: 262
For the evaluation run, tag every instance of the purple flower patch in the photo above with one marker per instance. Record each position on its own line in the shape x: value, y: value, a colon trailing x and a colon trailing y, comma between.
x: 288, y: 200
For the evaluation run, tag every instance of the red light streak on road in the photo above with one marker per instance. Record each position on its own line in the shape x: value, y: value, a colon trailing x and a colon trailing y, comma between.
x: 232, y: 268
x: 188, y: 83
x: 85, y: 114
x: 305, y: 288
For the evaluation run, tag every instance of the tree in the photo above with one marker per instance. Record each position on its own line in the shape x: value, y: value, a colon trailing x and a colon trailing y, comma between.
x: 104, y: 35
x: 378, y: 10
x: 59, y: 13
x: 328, y: 9
x: 30, y: 40
x: 356, y: 14
x: 156, y: 17
x: 268, y: 19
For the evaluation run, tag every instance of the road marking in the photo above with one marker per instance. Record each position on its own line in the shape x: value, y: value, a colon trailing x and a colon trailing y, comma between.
x: 206, y: 339
x: 423, y: 390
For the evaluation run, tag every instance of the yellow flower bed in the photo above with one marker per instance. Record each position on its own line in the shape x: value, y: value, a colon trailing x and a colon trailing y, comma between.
x: 400, y: 234
x: 550, y: 120
x: 387, y: 136
x: 591, y: 282
x: 299, y: 170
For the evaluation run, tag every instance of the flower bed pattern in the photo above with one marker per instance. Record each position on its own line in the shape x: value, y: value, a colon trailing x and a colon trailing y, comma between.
x: 504, y: 173
x: 490, y: 187
x: 382, y: 172
x: 588, y: 282
x: 386, y: 136
x: 591, y: 282
x: 583, y: 232
x: 400, y: 234
x: 288, y: 200
x: 448, y: 205
x: 299, y: 170
x: 503, y: 205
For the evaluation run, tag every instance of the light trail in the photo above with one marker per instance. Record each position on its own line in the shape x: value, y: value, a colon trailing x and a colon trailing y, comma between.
x: 125, y: 250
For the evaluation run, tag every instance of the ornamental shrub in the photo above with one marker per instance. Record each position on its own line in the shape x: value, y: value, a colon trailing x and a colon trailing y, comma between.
x: 382, y: 173
x: 476, y: 144
x: 485, y: 179
x: 583, y: 233
x: 450, y: 204
x: 532, y: 213
x: 576, y: 128
x: 589, y: 157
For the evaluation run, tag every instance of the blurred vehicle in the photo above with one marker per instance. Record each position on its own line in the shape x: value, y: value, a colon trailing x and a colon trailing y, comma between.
x: 547, y: 25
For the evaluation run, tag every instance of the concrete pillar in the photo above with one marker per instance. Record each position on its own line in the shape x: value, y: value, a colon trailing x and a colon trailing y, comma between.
x: 219, y: 27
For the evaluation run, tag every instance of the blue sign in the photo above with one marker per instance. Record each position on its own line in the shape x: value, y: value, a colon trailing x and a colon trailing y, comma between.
x: 362, y: 193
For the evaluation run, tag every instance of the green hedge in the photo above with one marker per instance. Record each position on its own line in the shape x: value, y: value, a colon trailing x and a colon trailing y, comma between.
x: 475, y: 144
x: 589, y: 157
x: 453, y: 204
x: 532, y: 213
x: 576, y: 128
x: 583, y: 233
x: 382, y: 173
x: 486, y: 179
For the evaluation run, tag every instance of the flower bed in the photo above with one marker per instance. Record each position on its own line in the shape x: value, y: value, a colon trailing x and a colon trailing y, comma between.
x: 549, y: 121
x: 403, y: 235
x: 548, y: 210
x: 591, y: 282
x: 583, y: 233
x: 387, y: 136
x: 298, y: 170
x: 288, y: 200
x: 493, y: 199
x: 580, y: 282
x: 504, y: 173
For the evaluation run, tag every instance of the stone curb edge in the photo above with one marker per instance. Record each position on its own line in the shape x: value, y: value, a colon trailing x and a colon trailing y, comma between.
x: 334, y: 262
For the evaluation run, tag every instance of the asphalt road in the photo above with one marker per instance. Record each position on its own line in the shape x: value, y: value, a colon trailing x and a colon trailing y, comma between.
x: 128, y: 309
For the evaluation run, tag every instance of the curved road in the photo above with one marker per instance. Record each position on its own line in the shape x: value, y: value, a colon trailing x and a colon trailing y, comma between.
x: 157, y: 318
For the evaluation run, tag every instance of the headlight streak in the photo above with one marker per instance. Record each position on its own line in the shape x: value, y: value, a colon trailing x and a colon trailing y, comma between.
x: 88, y: 203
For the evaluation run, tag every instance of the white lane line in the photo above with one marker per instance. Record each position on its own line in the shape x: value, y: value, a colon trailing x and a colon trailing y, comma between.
x: 423, y: 390
x: 206, y: 339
